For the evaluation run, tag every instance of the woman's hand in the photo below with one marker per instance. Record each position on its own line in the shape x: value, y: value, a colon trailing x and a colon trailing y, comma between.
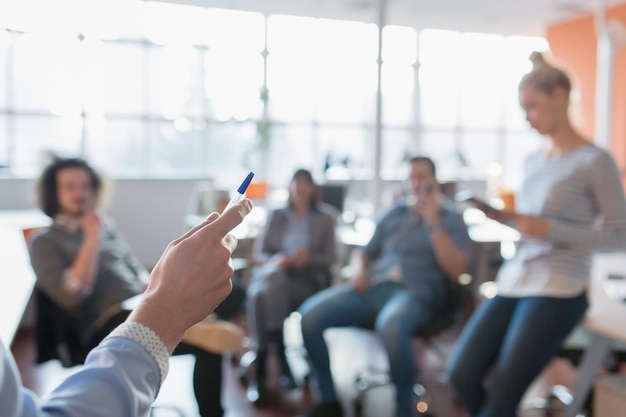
x: 91, y: 225
x: 300, y: 258
x: 531, y: 226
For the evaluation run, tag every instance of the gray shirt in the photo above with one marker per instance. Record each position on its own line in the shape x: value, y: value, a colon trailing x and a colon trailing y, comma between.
x: 320, y: 229
x: 402, y: 242
x: 53, y: 251
x: 297, y: 234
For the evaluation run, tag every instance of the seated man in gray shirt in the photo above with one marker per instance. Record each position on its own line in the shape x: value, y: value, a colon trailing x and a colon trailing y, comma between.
x: 87, y: 269
x: 418, y: 249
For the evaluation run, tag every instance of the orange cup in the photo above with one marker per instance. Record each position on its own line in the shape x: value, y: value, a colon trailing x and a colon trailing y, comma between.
x: 508, y: 199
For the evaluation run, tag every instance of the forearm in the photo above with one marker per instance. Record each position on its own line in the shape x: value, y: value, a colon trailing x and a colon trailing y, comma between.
x: 83, y: 269
x: 587, y: 237
x: 452, y: 259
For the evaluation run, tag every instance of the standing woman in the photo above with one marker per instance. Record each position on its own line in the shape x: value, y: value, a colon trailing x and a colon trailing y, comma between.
x: 571, y: 204
x: 293, y: 260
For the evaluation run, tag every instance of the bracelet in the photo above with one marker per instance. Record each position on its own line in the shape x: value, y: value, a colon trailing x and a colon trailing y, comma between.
x: 435, y: 227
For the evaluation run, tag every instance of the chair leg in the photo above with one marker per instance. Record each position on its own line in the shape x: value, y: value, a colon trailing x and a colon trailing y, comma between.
x: 358, y: 405
x: 245, y: 363
x: 369, y: 379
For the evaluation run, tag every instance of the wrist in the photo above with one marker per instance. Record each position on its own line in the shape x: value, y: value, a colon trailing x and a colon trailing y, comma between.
x: 91, y: 239
x: 435, y: 227
x: 167, y: 326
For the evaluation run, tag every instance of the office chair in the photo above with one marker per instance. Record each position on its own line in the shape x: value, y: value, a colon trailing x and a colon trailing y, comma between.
x: 57, y: 338
x: 451, y: 316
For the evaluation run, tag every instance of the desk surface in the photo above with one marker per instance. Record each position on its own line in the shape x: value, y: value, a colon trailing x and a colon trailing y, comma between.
x: 21, y: 219
x: 492, y: 231
x: 607, y: 311
x: 605, y: 322
x: 17, y: 278
x: 17, y: 281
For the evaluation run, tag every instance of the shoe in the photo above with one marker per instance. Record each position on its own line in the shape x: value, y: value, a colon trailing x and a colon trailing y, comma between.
x: 215, y: 336
x: 332, y: 409
x: 257, y: 392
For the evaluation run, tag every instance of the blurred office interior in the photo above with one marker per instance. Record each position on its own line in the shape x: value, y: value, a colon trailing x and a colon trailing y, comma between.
x: 176, y: 101
x: 161, y: 95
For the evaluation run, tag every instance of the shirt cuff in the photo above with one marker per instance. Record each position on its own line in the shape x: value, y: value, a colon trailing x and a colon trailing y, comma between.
x: 74, y: 286
x: 147, y: 338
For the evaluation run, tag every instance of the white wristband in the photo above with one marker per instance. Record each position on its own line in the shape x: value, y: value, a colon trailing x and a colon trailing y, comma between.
x: 147, y: 338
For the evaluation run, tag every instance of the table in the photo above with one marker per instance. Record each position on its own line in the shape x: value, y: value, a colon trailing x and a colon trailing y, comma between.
x: 16, y: 283
x: 606, y: 320
x: 17, y: 279
x: 22, y: 219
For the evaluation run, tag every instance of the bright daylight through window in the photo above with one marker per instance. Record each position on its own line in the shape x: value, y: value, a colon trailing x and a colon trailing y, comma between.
x: 148, y: 89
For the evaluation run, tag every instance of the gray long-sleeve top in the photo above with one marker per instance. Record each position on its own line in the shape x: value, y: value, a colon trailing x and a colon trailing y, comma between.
x: 581, y: 195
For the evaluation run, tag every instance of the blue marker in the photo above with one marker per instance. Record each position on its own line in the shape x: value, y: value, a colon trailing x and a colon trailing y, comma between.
x: 241, y: 191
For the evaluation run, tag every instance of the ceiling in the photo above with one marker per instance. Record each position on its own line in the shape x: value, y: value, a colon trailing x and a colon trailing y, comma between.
x: 512, y: 17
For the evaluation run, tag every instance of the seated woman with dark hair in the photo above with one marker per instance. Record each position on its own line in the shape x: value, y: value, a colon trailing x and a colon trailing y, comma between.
x: 292, y: 259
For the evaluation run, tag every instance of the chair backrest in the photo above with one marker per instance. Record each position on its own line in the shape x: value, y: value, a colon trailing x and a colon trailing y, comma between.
x: 57, y: 338
x: 450, y: 314
x: 29, y: 232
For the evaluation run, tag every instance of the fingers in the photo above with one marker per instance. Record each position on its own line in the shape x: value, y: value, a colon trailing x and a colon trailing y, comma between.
x: 210, y: 219
x: 220, y: 224
x: 230, y: 242
x: 231, y: 218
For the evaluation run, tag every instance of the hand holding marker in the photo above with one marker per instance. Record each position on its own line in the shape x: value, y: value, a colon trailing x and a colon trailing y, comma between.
x: 239, y: 194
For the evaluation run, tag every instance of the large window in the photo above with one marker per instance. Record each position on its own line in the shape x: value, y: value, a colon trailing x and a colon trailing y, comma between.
x: 471, y: 120
x: 147, y: 89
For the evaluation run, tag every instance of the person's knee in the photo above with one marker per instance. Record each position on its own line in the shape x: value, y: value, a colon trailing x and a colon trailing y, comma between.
x: 396, y: 331
x: 309, y: 323
x: 311, y: 317
x: 393, y: 338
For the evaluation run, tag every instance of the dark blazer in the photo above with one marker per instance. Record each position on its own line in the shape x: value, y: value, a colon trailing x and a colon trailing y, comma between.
x: 321, y: 237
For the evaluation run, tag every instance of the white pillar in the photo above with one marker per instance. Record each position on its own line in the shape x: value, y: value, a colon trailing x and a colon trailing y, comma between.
x: 611, y: 36
x: 377, y: 185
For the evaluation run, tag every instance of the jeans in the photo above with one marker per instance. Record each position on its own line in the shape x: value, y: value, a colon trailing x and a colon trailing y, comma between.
x: 515, y: 338
x: 392, y: 310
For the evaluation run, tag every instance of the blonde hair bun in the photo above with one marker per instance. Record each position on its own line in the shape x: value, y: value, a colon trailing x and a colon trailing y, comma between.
x: 537, y: 59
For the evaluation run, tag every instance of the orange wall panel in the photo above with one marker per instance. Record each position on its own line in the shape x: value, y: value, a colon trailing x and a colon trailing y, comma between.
x: 573, y: 44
